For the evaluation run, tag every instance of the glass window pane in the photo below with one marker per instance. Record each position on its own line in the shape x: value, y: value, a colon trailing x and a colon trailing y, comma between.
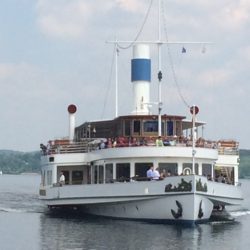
x: 123, y: 172
x: 141, y: 169
x: 77, y: 177
x: 168, y: 168
x: 101, y: 177
x: 109, y: 173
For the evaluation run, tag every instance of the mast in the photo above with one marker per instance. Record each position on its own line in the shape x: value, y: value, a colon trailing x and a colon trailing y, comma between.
x: 116, y: 79
x: 194, y: 110
x: 159, y: 44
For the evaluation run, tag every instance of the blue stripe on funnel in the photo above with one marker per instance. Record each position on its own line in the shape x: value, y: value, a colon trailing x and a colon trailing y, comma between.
x: 140, y: 69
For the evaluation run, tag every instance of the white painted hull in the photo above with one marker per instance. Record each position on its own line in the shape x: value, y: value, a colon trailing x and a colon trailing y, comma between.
x: 148, y: 200
x: 159, y: 209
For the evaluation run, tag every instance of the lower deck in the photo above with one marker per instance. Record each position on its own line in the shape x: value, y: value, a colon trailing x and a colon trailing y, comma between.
x: 102, y: 172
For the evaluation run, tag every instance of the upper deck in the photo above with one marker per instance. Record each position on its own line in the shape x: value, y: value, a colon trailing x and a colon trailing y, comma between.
x: 87, y: 145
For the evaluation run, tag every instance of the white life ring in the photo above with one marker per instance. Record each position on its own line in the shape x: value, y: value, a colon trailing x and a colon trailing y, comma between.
x: 187, y: 171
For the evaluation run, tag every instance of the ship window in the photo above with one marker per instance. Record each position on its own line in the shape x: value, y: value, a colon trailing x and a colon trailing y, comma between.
x: 123, y: 172
x: 109, y: 173
x: 49, y: 177
x: 51, y: 159
x: 170, y: 128
x: 168, y: 167
x: 86, y: 174
x: 127, y: 128
x: 206, y: 169
x: 137, y: 126
x: 95, y: 174
x: 141, y: 169
x: 101, y: 176
x: 43, y: 178
x: 150, y: 126
x: 189, y: 165
x: 77, y: 177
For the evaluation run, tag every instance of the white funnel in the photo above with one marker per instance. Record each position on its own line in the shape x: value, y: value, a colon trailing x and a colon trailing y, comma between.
x: 141, y: 78
x: 72, y: 110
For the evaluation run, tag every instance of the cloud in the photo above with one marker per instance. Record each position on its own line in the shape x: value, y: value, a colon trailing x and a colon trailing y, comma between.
x: 131, y: 5
x: 63, y: 19
x: 73, y: 19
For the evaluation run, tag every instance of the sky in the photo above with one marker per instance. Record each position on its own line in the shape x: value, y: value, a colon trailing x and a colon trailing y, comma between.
x: 55, y: 52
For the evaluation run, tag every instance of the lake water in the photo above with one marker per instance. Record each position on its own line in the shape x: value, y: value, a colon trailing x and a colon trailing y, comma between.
x: 25, y: 224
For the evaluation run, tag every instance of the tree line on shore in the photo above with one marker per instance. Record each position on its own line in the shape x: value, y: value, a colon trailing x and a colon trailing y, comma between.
x: 15, y: 162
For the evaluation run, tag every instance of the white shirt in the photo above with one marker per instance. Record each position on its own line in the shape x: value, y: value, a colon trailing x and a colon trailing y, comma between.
x: 62, y: 178
x: 156, y: 175
x: 150, y: 173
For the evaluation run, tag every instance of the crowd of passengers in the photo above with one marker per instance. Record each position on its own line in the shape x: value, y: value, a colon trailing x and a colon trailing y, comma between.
x: 151, y: 141
x: 155, y: 174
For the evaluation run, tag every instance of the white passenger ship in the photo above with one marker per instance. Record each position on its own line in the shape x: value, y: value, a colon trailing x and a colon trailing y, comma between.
x: 105, y: 162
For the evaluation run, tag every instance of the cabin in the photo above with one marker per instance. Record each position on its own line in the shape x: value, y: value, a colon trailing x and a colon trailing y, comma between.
x: 136, y: 126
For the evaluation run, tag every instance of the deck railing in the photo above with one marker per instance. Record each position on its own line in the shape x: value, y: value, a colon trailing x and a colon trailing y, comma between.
x: 86, y: 145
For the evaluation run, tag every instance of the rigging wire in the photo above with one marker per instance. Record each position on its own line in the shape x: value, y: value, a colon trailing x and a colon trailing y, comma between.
x: 140, y: 31
x: 171, y: 61
x: 109, y: 80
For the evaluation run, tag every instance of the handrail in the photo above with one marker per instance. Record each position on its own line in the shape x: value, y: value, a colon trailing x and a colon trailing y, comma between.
x: 87, y: 145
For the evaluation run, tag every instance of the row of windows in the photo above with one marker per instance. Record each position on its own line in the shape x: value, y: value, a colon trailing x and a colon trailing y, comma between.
x: 110, y: 172
x: 130, y: 127
x: 143, y: 127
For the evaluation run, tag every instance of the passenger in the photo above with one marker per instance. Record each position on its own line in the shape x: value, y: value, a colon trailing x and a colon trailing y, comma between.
x: 221, y: 178
x: 150, y: 141
x: 163, y: 174
x: 159, y: 142
x: 109, y: 143
x: 150, y: 172
x: 169, y: 173
x: 102, y: 145
x: 114, y: 143
x: 143, y: 142
x: 43, y: 148
x: 135, y: 142
x: 156, y: 174
x: 166, y: 142
x: 62, y: 179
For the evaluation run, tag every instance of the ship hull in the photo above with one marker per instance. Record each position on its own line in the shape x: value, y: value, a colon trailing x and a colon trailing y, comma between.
x: 179, y: 199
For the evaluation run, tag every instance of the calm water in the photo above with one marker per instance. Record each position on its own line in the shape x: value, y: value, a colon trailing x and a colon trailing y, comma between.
x: 24, y: 224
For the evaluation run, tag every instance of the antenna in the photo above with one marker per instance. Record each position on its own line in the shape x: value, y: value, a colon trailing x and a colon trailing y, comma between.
x: 159, y: 68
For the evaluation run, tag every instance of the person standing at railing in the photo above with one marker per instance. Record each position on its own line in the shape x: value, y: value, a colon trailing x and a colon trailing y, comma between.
x: 156, y: 174
x: 62, y: 179
x: 150, y: 172
x: 102, y: 145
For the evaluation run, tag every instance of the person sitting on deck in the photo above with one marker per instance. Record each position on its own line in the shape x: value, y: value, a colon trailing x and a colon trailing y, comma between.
x: 150, y: 141
x: 102, y: 145
x: 159, y: 142
x: 166, y: 142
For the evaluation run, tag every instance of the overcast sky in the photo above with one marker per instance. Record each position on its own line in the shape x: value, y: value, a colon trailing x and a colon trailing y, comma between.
x: 54, y: 53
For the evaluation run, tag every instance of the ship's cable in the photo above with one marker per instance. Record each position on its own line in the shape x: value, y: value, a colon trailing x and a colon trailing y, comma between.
x: 109, y: 82
x: 140, y: 30
x: 171, y: 60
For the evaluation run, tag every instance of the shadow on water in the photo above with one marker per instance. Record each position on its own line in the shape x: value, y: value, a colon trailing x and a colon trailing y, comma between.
x: 92, y: 232
x: 74, y: 230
